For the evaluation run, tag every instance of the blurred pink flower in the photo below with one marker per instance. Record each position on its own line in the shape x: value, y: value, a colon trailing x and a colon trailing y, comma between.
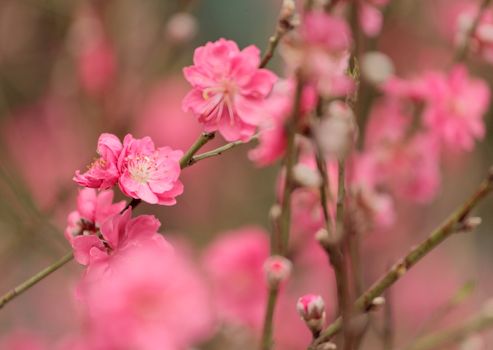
x: 228, y: 88
x: 320, y: 49
x: 148, y: 173
x: 234, y: 264
x: 278, y: 107
x: 456, y: 105
x: 22, y: 340
x: 103, y: 172
x: 152, y: 299
x: 82, y: 224
x: 371, y: 17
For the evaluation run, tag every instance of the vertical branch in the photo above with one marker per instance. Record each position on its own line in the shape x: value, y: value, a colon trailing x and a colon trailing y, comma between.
x: 463, y: 49
x: 285, y: 214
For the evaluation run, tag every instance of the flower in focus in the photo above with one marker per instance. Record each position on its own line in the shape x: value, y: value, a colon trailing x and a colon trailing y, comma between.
x: 234, y: 263
x: 228, y: 88
x: 148, y: 173
x: 152, y: 299
x: 103, y: 172
x: 311, y: 308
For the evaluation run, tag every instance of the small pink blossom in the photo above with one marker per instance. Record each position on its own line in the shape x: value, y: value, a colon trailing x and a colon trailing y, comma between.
x: 115, y: 235
x: 456, y: 105
x: 103, y: 172
x: 151, y: 299
x: 310, y: 307
x: 92, y: 210
x: 277, y: 269
x: 278, y: 108
x: 234, y: 263
x: 148, y: 173
x: 228, y: 88
x: 320, y: 49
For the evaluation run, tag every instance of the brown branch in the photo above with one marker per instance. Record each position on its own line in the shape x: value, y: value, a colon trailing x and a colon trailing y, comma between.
x: 463, y: 49
x: 455, y: 223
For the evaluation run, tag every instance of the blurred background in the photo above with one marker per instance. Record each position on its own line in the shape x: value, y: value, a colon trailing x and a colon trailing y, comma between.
x: 70, y: 70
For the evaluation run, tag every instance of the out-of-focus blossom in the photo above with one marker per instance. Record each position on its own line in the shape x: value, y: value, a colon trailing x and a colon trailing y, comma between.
x: 92, y: 210
x: 103, y: 173
x: 234, y: 263
x: 152, y: 299
x: 228, y: 88
x: 320, y: 50
x: 336, y: 132
x: 149, y: 173
x: 277, y: 269
x: 456, y: 105
x: 376, y: 67
x: 22, y: 340
x: 181, y: 27
x: 95, y: 55
x: 278, y: 108
x: 371, y: 17
x: 482, y: 39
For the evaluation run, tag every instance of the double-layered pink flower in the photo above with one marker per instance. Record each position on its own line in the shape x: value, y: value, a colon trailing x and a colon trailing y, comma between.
x: 149, y: 173
x: 228, y: 88
x: 141, y: 170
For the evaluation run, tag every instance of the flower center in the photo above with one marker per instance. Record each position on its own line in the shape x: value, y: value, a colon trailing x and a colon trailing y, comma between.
x: 220, y: 96
x: 141, y: 167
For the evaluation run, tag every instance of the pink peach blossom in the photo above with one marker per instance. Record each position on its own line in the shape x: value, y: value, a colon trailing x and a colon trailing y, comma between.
x: 320, y: 50
x: 234, y: 264
x: 103, y: 173
x: 456, y: 105
x: 92, y: 210
x: 228, y: 88
x: 115, y: 235
x: 151, y: 299
x: 278, y: 108
x: 148, y: 173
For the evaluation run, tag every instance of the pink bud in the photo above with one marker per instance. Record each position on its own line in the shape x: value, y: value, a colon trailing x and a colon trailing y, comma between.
x: 277, y: 268
x: 181, y: 27
x: 311, y: 308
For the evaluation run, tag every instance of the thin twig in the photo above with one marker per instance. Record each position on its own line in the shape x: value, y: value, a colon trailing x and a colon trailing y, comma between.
x: 21, y: 288
x: 454, y: 335
x: 204, y: 138
x: 218, y: 151
x: 285, y: 215
x: 463, y: 49
x: 269, y: 318
x: 284, y: 25
x: 451, y: 225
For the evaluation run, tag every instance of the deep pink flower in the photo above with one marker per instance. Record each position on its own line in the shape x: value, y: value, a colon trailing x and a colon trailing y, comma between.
x: 228, y: 88
x: 148, y: 173
x: 151, y: 299
x: 234, y: 263
x: 92, y: 210
x: 456, y: 105
x: 114, y: 236
x: 103, y: 172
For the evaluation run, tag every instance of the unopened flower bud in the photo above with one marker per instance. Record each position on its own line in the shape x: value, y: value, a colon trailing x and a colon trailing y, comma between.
x: 306, y: 176
x: 277, y: 269
x: 377, y: 302
x: 327, y: 346
x: 311, y: 308
x: 376, y: 67
x: 474, y: 342
x: 336, y: 132
x: 181, y: 27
